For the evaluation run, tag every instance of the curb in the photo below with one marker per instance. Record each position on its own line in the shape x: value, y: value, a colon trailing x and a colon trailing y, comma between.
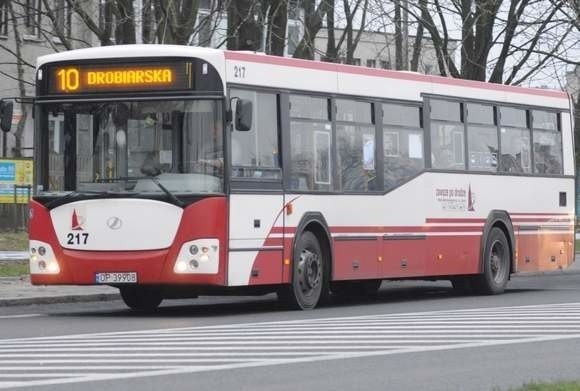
x: 547, y: 273
x: 60, y: 299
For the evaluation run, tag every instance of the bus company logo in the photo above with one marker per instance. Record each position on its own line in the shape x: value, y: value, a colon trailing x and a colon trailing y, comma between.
x: 470, y: 200
x: 77, y: 221
x: 114, y: 223
x: 456, y: 199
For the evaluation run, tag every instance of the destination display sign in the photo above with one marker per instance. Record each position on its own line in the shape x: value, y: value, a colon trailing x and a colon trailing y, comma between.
x: 100, y: 78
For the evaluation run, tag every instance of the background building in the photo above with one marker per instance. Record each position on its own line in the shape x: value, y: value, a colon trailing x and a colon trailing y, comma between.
x: 377, y: 50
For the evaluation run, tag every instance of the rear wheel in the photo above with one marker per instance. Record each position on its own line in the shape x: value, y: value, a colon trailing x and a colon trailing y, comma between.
x: 496, y: 264
x: 309, y: 275
x: 141, y: 298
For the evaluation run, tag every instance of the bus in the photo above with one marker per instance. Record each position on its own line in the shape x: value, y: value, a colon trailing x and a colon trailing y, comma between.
x: 176, y: 171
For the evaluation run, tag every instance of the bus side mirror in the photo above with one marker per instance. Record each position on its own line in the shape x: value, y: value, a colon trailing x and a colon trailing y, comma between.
x: 6, y: 115
x: 243, y: 115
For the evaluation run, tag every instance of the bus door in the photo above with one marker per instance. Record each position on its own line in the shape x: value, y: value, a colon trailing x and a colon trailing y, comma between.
x: 256, y: 202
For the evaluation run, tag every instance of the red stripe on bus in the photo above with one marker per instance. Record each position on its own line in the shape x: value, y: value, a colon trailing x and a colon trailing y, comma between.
x: 352, y: 69
x: 444, y: 220
x: 541, y: 214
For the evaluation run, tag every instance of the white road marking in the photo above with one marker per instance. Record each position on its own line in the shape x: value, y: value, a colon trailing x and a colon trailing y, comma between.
x: 20, y: 316
x: 133, y: 354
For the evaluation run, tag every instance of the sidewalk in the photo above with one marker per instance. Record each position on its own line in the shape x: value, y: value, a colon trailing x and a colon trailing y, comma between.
x: 19, y: 291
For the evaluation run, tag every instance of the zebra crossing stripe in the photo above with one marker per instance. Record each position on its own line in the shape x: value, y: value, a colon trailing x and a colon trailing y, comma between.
x: 43, y: 361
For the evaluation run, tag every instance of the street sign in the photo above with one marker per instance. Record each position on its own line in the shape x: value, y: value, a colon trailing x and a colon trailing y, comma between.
x: 16, y: 178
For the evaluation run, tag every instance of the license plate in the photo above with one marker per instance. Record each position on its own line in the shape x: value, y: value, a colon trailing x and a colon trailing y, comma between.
x: 116, y: 278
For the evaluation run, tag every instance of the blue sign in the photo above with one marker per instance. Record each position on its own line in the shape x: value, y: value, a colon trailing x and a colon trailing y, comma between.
x: 7, y: 171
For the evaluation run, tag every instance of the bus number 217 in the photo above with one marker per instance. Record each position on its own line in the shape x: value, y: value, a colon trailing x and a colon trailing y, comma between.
x: 239, y: 72
x: 78, y: 238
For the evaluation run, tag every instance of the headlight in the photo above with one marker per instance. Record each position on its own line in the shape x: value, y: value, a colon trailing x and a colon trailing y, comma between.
x: 199, y: 256
x: 42, y: 258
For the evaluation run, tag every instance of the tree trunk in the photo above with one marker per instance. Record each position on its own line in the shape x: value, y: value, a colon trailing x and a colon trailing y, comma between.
x: 243, y: 30
x: 125, y: 31
x: 398, y: 37
x: 278, y: 20
x: 17, y: 150
x: 331, y: 54
x: 467, y: 39
x: 418, y: 42
x: 147, y: 35
x: 312, y: 25
x: 175, y: 20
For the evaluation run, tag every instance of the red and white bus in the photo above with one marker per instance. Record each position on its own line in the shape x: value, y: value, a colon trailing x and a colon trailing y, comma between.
x: 173, y: 171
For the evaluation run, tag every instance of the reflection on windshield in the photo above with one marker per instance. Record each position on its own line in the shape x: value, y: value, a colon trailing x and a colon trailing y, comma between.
x: 115, y: 146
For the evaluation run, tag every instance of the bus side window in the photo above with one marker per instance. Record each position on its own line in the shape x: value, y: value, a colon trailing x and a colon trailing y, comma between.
x: 547, y: 143
x: 447, y: 135
x: 482, y: 138
x: 254, y: 153
x: 310, y: 143
x: 355, y: 137
x: 515, y: 141
x: 403, y: 148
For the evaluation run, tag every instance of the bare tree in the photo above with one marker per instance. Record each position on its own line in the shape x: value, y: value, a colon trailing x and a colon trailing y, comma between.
x: 17, y: 150
x: 418, y: 41
x: 244, y: 30
x: 313, y: 18
x: 276, y: 27
x: 528, y: 33
x: 176, y: 20
x: 331, y: 54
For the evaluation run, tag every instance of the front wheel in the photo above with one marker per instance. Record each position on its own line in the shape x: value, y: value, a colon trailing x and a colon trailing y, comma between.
x: 496, y: 264
x: 141, y: 298
x: 309, y: 275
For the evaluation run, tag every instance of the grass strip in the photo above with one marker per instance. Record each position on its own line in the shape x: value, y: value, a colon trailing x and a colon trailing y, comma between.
x: 556, y: 386
x: 13, y: 268
x: 13, y: 241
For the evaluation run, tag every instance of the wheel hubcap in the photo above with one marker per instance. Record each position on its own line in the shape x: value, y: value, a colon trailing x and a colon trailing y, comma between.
x: 309, y: 271
x: 497, y: 261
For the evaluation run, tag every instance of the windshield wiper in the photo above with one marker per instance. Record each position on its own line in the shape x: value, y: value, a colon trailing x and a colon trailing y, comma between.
x: 169, y: 194
x: 155, y: 180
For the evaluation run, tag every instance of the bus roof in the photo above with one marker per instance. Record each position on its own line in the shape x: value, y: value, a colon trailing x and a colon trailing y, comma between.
x: 289, y: 73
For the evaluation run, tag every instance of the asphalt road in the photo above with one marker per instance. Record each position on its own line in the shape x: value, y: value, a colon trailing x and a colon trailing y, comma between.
x: 415, y: 336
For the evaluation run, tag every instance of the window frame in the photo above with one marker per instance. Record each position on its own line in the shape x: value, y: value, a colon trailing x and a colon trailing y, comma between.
x: 427, y: 126
x: 558, y: 130
x: 260, y: 185
x: 422, y: 128
x: 497, y: 104
x: 256, y: 185
x: 494, y: 124
x: 286, y: 139
x: 374, y: 124
x: 35, y: 17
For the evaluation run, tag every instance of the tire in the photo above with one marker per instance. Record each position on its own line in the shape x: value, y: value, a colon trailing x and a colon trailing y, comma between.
x: 496, y: 264
x: 309, y: 285
x: 141, y: 298
x: 345, y: 290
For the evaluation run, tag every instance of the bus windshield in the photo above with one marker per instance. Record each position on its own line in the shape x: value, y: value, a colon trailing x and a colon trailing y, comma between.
x: 120, y: 146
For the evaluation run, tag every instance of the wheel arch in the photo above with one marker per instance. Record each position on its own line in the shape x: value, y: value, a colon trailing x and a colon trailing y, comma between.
x: 316, y: 223
x: 500, y: 219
